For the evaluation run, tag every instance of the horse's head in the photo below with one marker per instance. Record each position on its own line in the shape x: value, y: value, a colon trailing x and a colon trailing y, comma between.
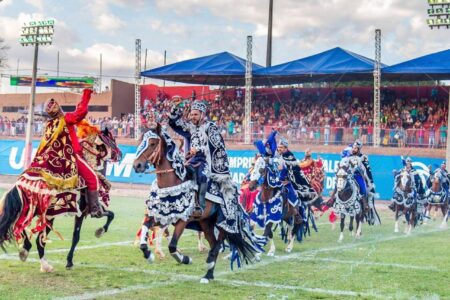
x: 257, y: 172
x: 106, y: 139
x: 342, y: 177
x: 436, y: 180
x: 404, y: 181
x: 149, y: 150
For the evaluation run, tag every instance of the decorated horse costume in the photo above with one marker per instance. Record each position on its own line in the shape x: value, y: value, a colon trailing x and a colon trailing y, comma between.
x: 437, y: 195
x: 347, y: 199
x: 405, y: 199
x: 172, y: 200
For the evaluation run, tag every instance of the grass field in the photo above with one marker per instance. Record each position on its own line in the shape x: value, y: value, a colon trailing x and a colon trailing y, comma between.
x: 380, y: 265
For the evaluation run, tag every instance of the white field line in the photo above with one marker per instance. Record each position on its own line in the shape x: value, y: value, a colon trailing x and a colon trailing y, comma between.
x: 238, y: 282
x: 311, y: 253
x: 62, y: 250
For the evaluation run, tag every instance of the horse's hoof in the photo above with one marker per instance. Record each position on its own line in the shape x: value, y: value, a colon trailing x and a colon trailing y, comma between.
x: 258, y: 257
x: 271, y: 254
x: 99, y: 232
x: 339, y: 241
x: 396, y: 230
x: 160, y: 254
x: 151, y: 258
x: 46, y: 268
x: 23, y: 254
x: 288, y: 249
x: 204, y: 280
x: 201, y: 248
x: 69, y: 266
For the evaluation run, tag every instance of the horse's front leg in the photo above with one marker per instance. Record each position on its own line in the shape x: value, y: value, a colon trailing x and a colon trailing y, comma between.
x: 143, y: 244
x: 341, y: 235
x: 75, y: 240
x: 444, y: 209
x: 396, y: 228
x: 40, y: 244
x: 359, y: 219
x: 350, y: 226
x: 269, y: 234
x: 178, y: 231
x: 104, y: 229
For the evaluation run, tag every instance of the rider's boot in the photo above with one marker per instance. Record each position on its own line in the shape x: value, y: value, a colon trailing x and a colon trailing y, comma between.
x: 93, y: 204
x: 201, y: 203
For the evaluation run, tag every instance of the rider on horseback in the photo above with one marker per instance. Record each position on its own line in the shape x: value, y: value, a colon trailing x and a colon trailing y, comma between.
x: 358, y: 165
x: 206, y: 159
x: 69, y: 121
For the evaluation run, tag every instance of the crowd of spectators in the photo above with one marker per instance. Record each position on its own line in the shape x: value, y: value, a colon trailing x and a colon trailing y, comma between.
x: 305, y: 117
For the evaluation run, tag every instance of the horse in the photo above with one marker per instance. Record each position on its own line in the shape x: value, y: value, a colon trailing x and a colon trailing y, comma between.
x: 271, y: 206
x: 347, y: 201
x: 172, y: 200
x: 405, y: 200
x: 15, y: 204
x: 437, y: 196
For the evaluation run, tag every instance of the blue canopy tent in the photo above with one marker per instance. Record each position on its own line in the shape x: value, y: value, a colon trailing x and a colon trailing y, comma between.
x: 336, y: 64
x: 217, y: 69
x: 435, y: 66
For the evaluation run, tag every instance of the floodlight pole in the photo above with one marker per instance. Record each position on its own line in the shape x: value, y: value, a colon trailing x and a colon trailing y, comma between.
x: 34, y: 33
x: 137, y: 91
x: 30, y: 121
x: 376, y: 89
x: 248, y: 92
x: 432, y: 23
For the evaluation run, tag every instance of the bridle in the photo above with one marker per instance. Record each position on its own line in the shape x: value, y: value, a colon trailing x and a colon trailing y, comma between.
x: 155, y: 159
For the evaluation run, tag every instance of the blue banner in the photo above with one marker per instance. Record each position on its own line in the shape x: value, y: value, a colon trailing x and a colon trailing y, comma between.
x: 12, y: 157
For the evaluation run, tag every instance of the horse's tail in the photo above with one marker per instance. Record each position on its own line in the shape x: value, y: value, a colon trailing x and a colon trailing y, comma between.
x: 244, y: 243
x: 10, y: 209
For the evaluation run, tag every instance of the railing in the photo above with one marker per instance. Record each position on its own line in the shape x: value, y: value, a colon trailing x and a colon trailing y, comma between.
x: 305, y: 135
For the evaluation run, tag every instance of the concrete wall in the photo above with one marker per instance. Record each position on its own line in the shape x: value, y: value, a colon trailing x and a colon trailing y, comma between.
x: 122, y: 100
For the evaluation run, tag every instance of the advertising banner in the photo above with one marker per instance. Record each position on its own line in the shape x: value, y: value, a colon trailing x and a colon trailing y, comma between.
x: 12, y: 157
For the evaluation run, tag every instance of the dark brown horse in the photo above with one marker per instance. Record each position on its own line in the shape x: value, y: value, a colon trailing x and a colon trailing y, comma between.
x: 170, y: 176
x: 437, y: 197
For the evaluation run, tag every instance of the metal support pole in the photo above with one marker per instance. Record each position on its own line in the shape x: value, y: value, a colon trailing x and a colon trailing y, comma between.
x: 30, y: 122
x: 137, y: 92
x: 376, y: 89
x: 248, y: 92
x: 269, y: 36
x: 447, y: 150
x: 101, y: 75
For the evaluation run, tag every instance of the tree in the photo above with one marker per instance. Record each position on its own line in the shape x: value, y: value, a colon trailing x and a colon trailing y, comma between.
x: 3, y: 49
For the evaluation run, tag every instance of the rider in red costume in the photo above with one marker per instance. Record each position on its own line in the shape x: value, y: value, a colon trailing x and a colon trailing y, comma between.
x: 84, y: 170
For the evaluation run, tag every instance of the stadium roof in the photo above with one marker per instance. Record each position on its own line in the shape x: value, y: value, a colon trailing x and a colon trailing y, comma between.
x: 435, y: 66
x: 336, y: 64
x: 217, y: 69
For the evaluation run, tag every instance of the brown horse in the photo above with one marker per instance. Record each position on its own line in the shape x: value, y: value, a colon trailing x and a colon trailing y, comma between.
x: 173, y: 202
x: 437, y: 197
x: 405, y: 200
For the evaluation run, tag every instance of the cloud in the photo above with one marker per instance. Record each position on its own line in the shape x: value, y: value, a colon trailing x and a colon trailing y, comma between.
x: 184, y: 54
x: 108, y: 22
x: 39, y: 4
x: 168, y: 28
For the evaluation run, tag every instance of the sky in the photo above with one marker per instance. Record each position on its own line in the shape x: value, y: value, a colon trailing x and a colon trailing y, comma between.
x: 84, y: 29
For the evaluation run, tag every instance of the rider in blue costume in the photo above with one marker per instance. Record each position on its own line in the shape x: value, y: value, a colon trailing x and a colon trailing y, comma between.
x: 363, y: 173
